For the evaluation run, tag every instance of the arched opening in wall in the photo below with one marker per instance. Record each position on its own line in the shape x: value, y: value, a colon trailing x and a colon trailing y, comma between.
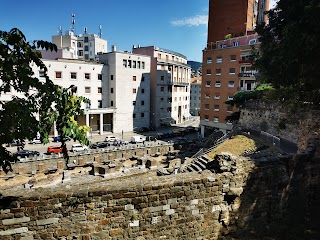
x: 147, y: 151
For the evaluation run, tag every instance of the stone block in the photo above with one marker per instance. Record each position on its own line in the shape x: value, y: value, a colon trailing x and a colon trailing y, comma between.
x: 97, y: 158
x: 194, y: 202
x: 166, y: 207
x: 134, y: 223
x: 15, y: 220
x: 172, y: 200
x: 30, y: 237
x: 195, y: 212
x: 115, y: 232
x: 14, y: 231
x: 41, y: 167
x: 81, y: 162
x: 21, y: 169
x: 60, y: 165
x: 47, y: 221
x: 128, y: 207
x: 156, y: 209
x: 170, y: 211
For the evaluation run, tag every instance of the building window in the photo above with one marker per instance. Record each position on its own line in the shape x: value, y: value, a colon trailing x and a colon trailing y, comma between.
x: 206, y: 117
x: 217, y: 97
x: 142, y: 115
x: 41, y: 73
x: 229, y: 108
x: 111, y: 90
x: 162, y: 78
x: 161, y: 99
x: 86, y: 48
x: 142, y: 65
x: 169, y: 109
x: 216, y: 107
x: 99, y: 89
x: 209, y: 60
x: 142, y: 90
x: 87, y: 90
x: 162, y: 89
x: 111, y: 103
x: 134, y: 78
x: 134, y: 103
x: 206, y: 107
x: 133, y: 115
x: 218, y: 84
x: 129, y: 63
x: 206, y: 96
x: 216, y: 119
x: 230, y: 97
x: 87, y: 76
x: 218, y: 71
x: 208, y: 71
x: 134, y: 64
x: 100, y: 77
x: 111, y: 77
x: 86, y: 39
x: 125, y: 62
x: 208, y: 84
x: 134, y: 90
x: 159, y: 55
x: 231, y: 84
x: 73, y: 75
x: 86, y: 56
x: 235, y: 44
x: 233, y: 57
x: 219, y: 59
x: 162, y: 67
x: 99, y: 104
x: 80, y: 53
x: 232, y: 71
x: 139, y: 65
x: 58, y: 75
x: 142, y: 103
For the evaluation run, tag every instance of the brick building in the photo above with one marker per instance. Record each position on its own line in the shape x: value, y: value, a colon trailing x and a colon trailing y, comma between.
x: 226, y: 65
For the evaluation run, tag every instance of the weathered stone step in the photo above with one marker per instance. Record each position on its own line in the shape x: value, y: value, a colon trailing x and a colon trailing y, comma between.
x: 200, y: 164
x: 203, y: 161
x: 196, y: 167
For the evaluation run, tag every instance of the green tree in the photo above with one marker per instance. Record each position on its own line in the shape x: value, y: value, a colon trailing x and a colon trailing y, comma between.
x: 289, y: 51
x: 34, y: 97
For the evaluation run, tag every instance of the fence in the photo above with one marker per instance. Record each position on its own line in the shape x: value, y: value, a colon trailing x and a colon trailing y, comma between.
x: 270, y: 138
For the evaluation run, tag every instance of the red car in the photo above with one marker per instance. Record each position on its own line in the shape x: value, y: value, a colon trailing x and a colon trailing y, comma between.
x: 52, y: 149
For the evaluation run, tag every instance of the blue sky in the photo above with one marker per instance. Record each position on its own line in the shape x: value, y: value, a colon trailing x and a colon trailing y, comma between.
x: 178, y: 25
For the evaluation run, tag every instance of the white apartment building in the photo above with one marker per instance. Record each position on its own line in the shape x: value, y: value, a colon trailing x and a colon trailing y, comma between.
x: 84, y: 46
x: 195, y: 95
x: 170, y: 86
x: 128, y: 88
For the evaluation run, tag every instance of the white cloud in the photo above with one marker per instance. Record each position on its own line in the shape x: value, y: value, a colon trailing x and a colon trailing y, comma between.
x: 191, y: 21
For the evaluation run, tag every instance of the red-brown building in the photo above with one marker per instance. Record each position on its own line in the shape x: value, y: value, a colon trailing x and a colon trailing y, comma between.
x: 226, y: 64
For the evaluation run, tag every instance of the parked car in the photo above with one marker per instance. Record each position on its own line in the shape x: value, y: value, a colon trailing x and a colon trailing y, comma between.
x: 57, y: 139
x: 137, y: 139
x: 79, y: 148
x: 191, y: 129
x: 111, y: 138
x: 144, y: 129
x: 26, y: 153
x: 151, y: 138
x: 180, y: 141
x: 119, y: 142
x: 100, y: 145
x: 35, y: 141
x: 54, y: 149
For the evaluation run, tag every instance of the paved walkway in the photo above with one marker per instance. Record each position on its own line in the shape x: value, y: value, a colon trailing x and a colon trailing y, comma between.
x: 285, y: 145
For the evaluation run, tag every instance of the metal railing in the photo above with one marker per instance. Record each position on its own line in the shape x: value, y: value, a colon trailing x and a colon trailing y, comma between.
x: 270, y: 138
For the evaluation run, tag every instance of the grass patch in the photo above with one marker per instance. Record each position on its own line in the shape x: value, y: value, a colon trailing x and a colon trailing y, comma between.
x: 237, y: 145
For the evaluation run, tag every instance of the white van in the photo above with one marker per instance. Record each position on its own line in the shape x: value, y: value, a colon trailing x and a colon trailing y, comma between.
x: 137, y: 139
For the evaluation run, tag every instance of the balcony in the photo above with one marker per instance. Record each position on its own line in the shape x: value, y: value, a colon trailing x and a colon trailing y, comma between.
x: 234, y: 42
x: 170, y: 82
x: 250, y: 61
x: 248, y: 74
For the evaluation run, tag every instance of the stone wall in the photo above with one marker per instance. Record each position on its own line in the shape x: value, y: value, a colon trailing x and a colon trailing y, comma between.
x: 270, y: 117
x: 56, y: 162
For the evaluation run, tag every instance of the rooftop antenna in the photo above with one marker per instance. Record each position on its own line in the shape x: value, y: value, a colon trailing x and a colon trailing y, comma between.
x: 85, y: 30
x: 100, y: 31
x: 73, y: 22
x: 60, y: 30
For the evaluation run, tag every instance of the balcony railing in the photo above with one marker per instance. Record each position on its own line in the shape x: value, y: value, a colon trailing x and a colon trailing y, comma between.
x: 233, y: 42
x: 246, y: 61
x: 251, y: 74
x: 178, y: 83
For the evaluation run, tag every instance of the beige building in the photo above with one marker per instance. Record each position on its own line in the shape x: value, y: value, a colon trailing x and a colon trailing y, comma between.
x: 169, y: 86
x: 195, y: 95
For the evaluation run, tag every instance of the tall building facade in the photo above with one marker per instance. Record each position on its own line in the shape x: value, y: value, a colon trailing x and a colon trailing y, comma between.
x: 169, y: 84
x: 227, y: 61
x: 195, y: 95
x: 235, y: 17
x: 128, y: 88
